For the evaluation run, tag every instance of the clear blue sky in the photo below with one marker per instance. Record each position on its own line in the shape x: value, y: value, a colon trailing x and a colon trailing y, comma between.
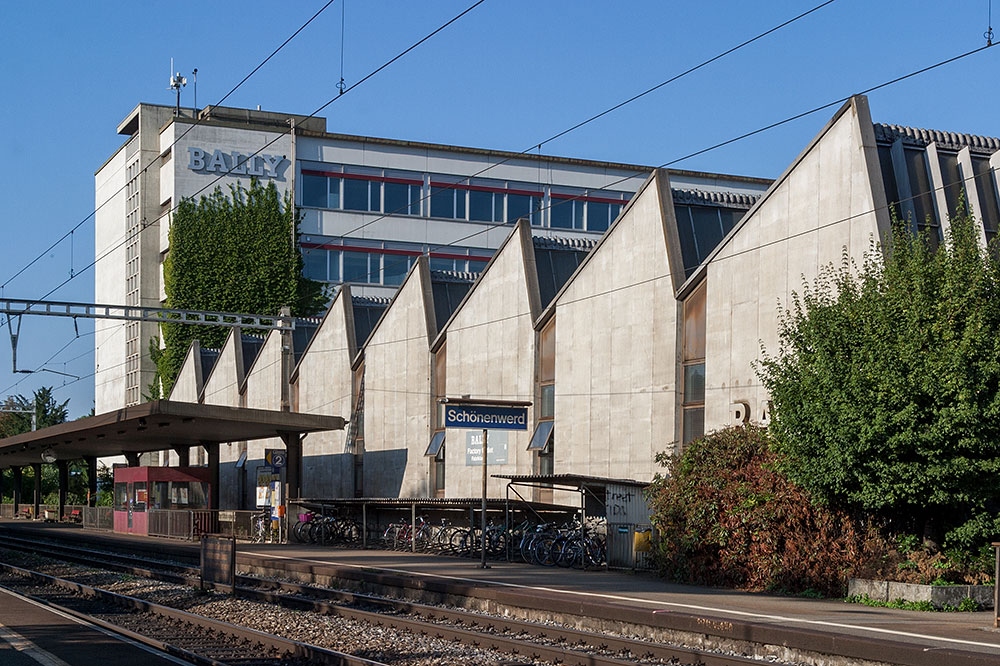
x: 506, y: 76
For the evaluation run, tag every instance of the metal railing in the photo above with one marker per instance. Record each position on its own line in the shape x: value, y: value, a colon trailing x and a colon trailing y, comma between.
x: 47, y: 511
x: 98, y: 517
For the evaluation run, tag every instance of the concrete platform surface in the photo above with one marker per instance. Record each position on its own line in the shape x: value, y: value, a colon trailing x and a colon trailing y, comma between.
x: 33, y: 634
x: 640, y: 597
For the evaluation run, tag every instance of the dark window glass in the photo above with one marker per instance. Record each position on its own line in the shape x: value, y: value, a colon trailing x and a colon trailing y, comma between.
x: 988, y: 197
x: 540, y: 438
x: 889, y: 179
x: 481, y: 206
x: 394, y: 268
x: 729, y: 217
x: 439, y: 264
x: 141, y: 498
x: 614, y: 211
x: 315, y: 262
x: 694, y: 423
x: 920, y: 189
x: 443, y: 202
x: 546, y: 457
x: 477, y: 266
x: 402, y: 199
x: 314, y: 191
x: 707, y: 229
x: 439, y: 471
x: 374, y: 196
x: 518, y: 206
x: 953, y: 185
x: 121, y: 496
x: 694, y: 383
x: 334, y: 192
x: 356, y: 267
x: 437, y: 441
x: 547, y: 408
x: 562, y: 213
x: 689, y: 249
x: 356, y: 194
x: 598, y: 216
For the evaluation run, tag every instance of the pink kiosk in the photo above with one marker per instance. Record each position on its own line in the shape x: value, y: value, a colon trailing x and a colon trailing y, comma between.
x: 140, y: 489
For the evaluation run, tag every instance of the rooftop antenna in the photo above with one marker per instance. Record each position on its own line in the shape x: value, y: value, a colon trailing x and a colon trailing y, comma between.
x: 195, y: 71
x: 176, y: 83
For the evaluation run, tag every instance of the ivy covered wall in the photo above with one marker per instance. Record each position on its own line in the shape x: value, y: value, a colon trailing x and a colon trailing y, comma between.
x: 230, y: 253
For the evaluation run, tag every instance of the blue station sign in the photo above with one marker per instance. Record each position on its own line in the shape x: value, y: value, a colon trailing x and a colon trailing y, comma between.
x: 483, y: 417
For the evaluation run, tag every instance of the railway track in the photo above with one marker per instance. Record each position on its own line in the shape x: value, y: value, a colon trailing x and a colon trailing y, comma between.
x: 532, y: 642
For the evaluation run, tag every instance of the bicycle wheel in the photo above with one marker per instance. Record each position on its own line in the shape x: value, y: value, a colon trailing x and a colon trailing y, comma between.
x: 542, y: 550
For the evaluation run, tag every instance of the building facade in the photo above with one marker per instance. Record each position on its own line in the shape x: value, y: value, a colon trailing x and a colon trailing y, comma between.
x: 370, y: 207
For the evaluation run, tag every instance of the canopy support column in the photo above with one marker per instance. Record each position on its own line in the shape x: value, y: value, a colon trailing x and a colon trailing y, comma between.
x: 37, y: 469
x: 15, y: 474
x: 63, y: 467
x: 212, y: 450
x: 91, y: 480
x: 293, y: 473
x: 183, y: 456
x: 132, y: 458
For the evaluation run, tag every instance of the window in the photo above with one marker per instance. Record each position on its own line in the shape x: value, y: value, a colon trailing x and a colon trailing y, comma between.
x: 989, y: 199
x: 402, y: 199
x: 315, y: 263
x: 486, y: 205
x: 547, y: 406
x: 922, y: 192
x: 437, y: 442
x: 362, y: 194
x: 952, y: 177
x: 141, y: 496
x: 320, y: 189
x: 356, y: 268
x: 395, y: 268
x: 524, y: 205
x: 565, y: 211
x: 447, y: 201
x: 438, y: 472
x: 121, y: 496
x: 693, y: 358
x: 542, y: 435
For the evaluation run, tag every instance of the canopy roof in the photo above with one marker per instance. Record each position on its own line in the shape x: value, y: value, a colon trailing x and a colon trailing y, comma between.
x: 156, y: 426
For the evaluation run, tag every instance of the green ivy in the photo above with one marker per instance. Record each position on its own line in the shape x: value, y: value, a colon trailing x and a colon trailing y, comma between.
x: 886, y: 386
x: 230, y: 253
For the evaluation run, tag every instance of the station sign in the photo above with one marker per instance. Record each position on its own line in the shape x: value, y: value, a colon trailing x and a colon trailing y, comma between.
x: 496, y: 448
x: 483, y: 417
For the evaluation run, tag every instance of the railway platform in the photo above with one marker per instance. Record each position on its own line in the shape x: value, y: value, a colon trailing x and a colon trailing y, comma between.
x: 608, y: 599
x: 32, y: 634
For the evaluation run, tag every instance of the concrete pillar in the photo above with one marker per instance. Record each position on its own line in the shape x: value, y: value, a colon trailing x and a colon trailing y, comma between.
x: 37, y: 469
x: 212, y: 449
x: 91, y: 480
x: 131, y: 458
x: 183, y: 456
x: 16, y: 483
x: 3, y: 470
x: 293, y: 472
x: 63, y: 467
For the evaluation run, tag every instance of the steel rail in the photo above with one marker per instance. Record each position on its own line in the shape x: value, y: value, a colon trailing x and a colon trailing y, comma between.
x: 469, y: 628
x: 284, y: 645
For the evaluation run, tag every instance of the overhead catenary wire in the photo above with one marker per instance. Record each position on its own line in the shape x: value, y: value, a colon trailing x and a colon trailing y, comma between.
x: 232, y: 90
x: 688, y: 156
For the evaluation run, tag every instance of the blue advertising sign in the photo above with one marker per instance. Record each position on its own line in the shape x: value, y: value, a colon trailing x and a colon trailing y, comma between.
x: 481, y: 417
x: 276, y: 458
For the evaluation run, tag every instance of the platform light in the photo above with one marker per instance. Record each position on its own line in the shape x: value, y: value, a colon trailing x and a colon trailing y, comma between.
x: 48, y: 455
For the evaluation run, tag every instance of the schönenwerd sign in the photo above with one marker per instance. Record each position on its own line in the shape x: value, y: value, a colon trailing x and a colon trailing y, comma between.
x: 483, y: 417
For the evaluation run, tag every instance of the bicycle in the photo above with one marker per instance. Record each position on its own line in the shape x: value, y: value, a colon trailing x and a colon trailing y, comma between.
x: 261, y: 527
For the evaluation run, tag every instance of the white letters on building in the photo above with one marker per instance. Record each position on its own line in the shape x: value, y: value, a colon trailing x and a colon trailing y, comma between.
x: 236, y: 163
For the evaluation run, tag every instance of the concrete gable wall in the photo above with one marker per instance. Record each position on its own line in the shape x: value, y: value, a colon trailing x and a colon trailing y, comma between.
x: 821, y: 206
x: 397, y: 395
x: 324, y: 387
x: 616, y: 322
x: 263, y: 391
x: 186, y: 387
x: 491, y: 354
x: 222, y: 385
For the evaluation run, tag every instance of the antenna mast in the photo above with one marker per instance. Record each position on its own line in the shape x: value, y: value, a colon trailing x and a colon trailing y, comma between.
x: 176, y: 83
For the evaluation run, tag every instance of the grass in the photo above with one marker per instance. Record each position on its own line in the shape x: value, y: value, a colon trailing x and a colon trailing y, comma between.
x: 967, y: 605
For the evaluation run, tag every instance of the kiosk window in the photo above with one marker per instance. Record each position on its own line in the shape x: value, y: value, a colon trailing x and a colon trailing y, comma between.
x: 121, y: 496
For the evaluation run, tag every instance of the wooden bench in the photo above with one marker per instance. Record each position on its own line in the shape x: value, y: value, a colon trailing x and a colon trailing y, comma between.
x: 25, y: 512
x: 75, y: 516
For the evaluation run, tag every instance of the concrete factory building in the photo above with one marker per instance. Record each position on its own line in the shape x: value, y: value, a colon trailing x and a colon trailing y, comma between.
x: 370, y: 207
x: 626, y: 344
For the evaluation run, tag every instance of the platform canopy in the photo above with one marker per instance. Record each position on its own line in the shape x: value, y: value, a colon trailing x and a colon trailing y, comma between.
x: 156, y: 426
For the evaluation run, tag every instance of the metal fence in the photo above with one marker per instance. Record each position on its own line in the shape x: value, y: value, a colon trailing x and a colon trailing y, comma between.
x: 192, y: 524
x: 6, y: 510
x: 98, y: 517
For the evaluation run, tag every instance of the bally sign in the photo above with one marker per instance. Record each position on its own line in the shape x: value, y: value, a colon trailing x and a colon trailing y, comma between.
x: 216, y: 161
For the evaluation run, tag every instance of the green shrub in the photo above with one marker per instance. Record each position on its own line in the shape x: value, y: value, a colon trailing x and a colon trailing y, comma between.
x: 728, y: 516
